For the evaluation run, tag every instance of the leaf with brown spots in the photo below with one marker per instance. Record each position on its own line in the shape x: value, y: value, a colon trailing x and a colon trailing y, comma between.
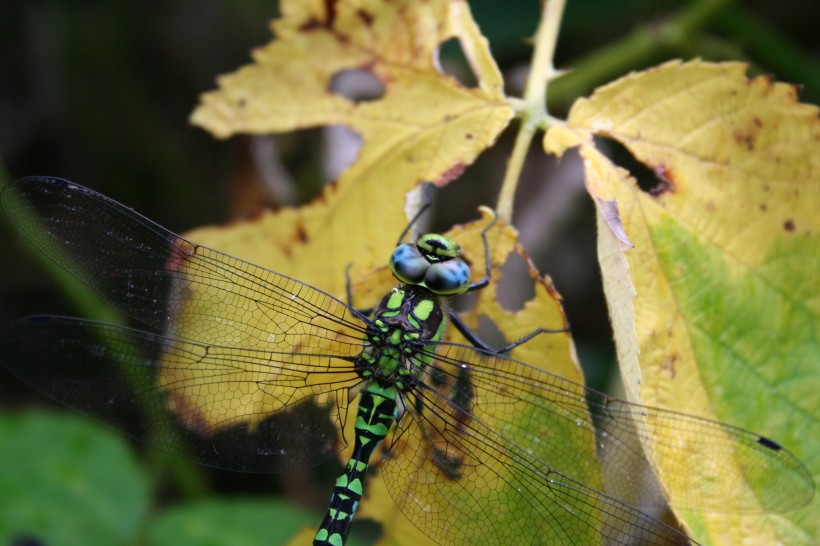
x: 715, y: 309
x: 424, y: 126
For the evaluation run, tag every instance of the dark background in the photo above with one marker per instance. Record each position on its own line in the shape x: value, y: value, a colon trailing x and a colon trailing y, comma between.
x: 100, y: 92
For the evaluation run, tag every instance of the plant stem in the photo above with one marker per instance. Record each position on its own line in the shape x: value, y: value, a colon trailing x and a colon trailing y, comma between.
x: 643, y: 45
x: 533, y: 108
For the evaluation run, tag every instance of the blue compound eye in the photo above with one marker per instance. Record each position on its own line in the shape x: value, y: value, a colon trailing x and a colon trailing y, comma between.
x: 408, y: 264
x: 448, y: 278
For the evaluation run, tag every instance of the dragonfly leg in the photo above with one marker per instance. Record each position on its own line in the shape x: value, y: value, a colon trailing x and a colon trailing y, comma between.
x: 476, y: 341
x: 488, y: 266
x: 465, y: 330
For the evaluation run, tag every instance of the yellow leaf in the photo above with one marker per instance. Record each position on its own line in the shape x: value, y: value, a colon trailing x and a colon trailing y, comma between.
x: 425, y: 127
x: 718, y: 300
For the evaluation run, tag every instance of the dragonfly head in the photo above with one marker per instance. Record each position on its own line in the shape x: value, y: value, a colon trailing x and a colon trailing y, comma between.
x: 434, y: 262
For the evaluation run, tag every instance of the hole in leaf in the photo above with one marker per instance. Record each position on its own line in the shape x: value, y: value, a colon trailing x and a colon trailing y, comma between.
x: 357, y: 85
x: 655, y: 181
x: 315, y: 157
x: 270, y: 165
x: 463, y: 302
x: 490, y: 333
x: 515, y: 287
x: 341, y: 148
x: 450, y: 60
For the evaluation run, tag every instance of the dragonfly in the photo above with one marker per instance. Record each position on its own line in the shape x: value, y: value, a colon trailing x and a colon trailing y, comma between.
x: 242, y: 368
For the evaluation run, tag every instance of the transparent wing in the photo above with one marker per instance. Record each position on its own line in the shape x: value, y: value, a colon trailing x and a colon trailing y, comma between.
x: 234, y: 343
x: 164, y: 281
x: 183, y: 397
x: 488, y: 437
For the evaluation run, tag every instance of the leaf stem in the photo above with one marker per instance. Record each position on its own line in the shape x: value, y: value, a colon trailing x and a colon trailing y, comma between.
x: 533, y: 108
x: 645, y: 43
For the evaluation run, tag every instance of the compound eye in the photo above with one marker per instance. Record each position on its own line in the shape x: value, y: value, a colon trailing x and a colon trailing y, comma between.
x: 448, y: 278
x: 438, y: 247
x: 408, y: 264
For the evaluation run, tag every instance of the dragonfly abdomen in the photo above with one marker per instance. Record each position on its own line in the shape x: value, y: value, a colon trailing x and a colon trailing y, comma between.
x: 377, y: 413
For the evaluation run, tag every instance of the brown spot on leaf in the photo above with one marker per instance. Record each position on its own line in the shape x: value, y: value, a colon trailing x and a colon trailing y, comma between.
x: 330, y: 13
x: 469, y: 136
x: 788, y: 225
x: 322, y: 197
x: 311, y: 24
x: 301, y: 234
x: 666, y: 181
x: 449, y: 175
x: 745, y: 139
x: 763, y: 207
x: 330, y: 18
x: 365, y: 16
x: 669, y: 366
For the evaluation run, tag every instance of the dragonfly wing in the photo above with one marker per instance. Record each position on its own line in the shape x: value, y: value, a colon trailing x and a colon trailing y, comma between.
x: 718, y: 467
x: 281, y: 420
x: 463, y: 483
x: 171, y: 284
x: 245, y: 332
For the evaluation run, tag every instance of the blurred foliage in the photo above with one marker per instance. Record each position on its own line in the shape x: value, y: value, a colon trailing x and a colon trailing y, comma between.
x: 74, y: 481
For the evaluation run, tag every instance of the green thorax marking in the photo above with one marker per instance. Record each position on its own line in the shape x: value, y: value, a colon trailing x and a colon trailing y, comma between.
x: 406, y: 320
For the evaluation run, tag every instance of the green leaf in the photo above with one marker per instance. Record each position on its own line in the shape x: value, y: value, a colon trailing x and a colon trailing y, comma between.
x: 66, y: 481
x: 711, y: 299
x: 228, y: 522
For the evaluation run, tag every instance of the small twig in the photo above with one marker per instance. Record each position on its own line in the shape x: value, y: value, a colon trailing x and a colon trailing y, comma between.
x: 533, y: 109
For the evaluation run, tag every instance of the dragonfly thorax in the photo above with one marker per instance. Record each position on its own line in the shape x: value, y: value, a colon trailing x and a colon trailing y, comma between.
x: 405, y: 321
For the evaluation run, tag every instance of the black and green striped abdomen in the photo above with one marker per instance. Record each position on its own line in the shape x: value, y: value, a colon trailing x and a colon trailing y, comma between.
x: 394, y: 359
x: 377, y: 412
